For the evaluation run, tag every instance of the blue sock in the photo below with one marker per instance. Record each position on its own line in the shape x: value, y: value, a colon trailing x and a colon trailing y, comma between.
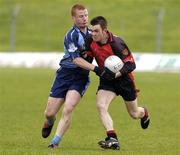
x: 56, y: 140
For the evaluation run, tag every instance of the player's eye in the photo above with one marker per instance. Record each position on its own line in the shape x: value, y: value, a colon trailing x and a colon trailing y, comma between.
x: 96, y: 31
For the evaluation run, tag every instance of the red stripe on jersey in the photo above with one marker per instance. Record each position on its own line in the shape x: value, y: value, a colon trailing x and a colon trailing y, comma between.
x: 129, y: 58
x: 131, y: 75
x: 101, y: 52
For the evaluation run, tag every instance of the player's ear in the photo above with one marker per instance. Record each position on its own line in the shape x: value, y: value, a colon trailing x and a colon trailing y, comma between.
x: 72, y: 18
x: 104, y: 31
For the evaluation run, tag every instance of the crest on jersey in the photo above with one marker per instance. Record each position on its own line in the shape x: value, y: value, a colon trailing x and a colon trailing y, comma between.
x: 72, y: 47
x: 125, y: 52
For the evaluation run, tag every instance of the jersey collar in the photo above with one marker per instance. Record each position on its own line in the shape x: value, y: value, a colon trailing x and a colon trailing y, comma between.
x: 79, y: 31
x: 110, y: 37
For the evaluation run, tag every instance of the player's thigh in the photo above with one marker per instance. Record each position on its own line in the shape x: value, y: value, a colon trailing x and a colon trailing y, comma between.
x: 72, y: 99
x: 131, y: 106
x: 53, y: 105
x: 104, y: 98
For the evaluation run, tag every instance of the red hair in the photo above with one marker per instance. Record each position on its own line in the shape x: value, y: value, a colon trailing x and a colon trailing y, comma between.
x: 77, y: 7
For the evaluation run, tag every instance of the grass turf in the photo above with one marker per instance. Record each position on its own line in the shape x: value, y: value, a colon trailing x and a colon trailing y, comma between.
x: 23, y: 94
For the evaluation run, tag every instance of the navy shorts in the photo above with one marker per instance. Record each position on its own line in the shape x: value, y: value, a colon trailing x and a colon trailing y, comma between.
x: 69, y: 79
x: 123, y: 86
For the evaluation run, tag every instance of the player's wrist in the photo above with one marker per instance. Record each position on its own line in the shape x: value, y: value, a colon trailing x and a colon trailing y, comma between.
x: 118, y: 74
x: 96, y: 70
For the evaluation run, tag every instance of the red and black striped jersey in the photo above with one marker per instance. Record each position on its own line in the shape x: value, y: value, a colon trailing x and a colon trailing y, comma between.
x: 114, y: 46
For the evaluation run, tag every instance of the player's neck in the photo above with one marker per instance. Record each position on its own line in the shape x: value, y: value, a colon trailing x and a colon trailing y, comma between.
x: 84, y: 30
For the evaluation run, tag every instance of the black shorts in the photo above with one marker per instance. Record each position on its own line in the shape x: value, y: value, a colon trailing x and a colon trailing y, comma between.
x: 123, y: 86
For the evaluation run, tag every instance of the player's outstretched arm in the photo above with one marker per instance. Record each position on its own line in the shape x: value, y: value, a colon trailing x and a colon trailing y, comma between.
x: 83, y: 64
x: 101, y: 72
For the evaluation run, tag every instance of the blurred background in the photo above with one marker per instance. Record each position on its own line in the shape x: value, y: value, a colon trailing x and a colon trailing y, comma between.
x: 40, y: 25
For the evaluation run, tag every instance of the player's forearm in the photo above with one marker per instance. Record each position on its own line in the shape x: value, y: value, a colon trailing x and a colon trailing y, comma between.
x: 128, y: 67
x: 83, y: 64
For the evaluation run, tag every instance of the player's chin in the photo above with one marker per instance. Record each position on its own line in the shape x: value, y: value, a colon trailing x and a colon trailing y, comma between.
x: 95, y: 38
x: 84, y: 25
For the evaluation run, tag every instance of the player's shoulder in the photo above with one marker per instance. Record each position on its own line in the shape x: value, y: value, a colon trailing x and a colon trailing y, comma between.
x: 89, y: 38
x: 119, y: 46
x: 117, y: 39
x: 71, y: 33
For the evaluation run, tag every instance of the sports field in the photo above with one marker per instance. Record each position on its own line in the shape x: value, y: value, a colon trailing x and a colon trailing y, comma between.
x: 23, y: 94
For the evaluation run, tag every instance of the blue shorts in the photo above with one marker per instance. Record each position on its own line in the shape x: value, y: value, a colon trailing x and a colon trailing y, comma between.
x: 69, y: 79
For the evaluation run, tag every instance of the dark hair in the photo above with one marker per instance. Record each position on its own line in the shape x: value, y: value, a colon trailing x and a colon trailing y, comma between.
x: 77, y: 7
x: 99, y: 20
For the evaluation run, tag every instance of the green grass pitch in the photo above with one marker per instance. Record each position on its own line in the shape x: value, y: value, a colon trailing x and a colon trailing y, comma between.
x: 23, y: 95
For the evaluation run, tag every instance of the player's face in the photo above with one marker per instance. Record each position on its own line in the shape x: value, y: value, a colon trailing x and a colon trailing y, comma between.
x: 81, y: 18
x: 97, y: 33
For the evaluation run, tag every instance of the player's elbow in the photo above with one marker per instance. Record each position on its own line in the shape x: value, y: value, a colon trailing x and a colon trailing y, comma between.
x: 128, y: 67
x: 133, y: 66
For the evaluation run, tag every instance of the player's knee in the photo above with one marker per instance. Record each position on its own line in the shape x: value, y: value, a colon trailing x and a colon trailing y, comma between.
x: 48, y: 113
x: 67, y: 110
x: 101, y: 108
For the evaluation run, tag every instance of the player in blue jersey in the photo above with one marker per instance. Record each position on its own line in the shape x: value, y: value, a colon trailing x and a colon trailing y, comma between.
x: 71, y: 80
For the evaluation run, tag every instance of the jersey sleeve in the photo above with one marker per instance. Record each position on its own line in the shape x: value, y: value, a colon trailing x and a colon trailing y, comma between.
x: 121, y: 49
x: 129, y: 63
x: 71, y: 45
x: 88, y: 52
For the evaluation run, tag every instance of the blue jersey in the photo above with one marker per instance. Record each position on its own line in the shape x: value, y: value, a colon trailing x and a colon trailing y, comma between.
x: 74, y: 43
x: 69, y: 76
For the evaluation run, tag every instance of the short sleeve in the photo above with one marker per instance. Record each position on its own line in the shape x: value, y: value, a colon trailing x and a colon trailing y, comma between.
x: 71, y: 44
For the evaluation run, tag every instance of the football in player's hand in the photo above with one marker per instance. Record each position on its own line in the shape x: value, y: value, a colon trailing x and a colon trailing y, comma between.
x: 113, y: 63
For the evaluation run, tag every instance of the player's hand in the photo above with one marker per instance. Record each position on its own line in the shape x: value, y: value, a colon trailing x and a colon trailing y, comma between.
x: 109, y: 75
x: 83, y: 53
x: 104, y: 73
